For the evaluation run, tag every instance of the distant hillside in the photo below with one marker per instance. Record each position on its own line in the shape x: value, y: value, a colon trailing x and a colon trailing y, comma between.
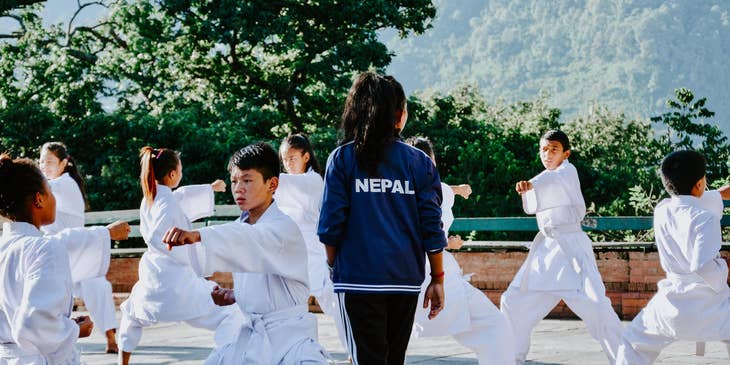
x: 629, y: 55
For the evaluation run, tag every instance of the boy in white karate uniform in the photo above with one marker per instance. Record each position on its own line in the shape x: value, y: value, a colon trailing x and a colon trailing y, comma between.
x: 268, y: 257
x: 561, y: 264
x: 693, y: 301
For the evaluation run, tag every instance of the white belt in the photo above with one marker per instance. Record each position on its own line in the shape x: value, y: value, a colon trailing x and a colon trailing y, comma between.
x: 689, y: 278
x: 553, y: 232
x: 259, y: 347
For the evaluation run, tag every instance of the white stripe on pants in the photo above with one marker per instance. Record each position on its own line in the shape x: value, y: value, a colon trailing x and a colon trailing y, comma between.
x: 347, y: 329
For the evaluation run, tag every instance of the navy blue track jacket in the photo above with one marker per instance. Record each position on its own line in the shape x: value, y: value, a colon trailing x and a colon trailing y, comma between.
x: 382, y: 225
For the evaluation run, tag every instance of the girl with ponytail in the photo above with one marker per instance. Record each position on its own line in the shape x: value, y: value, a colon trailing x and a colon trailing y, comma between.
x: 36, y: 293
x: 380, y: 219
x: 89, y: 265
x: 172, y: 286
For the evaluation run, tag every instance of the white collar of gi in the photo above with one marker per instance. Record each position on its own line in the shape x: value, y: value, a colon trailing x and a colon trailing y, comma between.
x: 270, y: 211
x: 163, y: 188
x: 20, y: 229
x: 686, y: 199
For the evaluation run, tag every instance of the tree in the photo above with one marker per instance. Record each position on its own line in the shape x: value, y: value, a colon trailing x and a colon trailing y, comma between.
x: 7, y: 5
x: 292, y: 59
x: 685, y: 129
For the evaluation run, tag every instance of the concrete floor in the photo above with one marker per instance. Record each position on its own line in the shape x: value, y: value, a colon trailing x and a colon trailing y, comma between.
x: 554, y: 342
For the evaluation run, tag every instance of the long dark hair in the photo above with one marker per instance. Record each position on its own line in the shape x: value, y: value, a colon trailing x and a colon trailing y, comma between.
x: 20, y: 180
x: 154, y: 164
x: 59, y: 150
x: 371, y: 110
x: 300, y: 142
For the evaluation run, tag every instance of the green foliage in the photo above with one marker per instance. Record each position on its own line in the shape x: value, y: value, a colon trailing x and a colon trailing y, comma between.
x: 487, y: 146
x: 685, y: 128
x: 290, y: 60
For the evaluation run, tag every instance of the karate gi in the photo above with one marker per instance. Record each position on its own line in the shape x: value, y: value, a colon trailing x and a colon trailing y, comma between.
x: 89, y: 263
x: 171, y: 284
x: 36, y: 294
x: 469, y: 316
x: 560, y: 265
x: 299, y: 197
x: 693, y: 301
x: 270, y: 283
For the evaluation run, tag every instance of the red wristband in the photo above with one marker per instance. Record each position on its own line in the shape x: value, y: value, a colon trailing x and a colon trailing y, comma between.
x: 439, y: 275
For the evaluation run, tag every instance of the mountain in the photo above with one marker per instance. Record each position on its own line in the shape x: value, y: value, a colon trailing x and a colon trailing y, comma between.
x: 628, y: 55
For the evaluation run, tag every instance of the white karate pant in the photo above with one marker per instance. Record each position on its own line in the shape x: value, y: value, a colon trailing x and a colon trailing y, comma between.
x: 226, y: 322
x: 97, y: 296
x: 640, y: 347
x: 490, y: 336
x: 525, y: 309
x: 329, y: 304
x: 646, y: 347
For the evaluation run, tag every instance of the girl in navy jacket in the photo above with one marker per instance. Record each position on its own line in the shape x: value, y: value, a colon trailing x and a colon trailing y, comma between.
x: 380, y: 219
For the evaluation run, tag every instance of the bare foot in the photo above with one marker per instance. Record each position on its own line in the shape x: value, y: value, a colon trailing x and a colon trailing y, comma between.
x: 124, y: 358
x: 111, y: 342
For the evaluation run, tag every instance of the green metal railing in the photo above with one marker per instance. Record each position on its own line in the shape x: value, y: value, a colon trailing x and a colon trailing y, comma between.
x: 226, y: 213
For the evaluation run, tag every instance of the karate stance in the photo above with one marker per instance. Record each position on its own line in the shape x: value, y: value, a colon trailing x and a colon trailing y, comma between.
x: 561, y: 263
x: 172, y: 285
x: 471, y: 318
x: 89, y: 264
x: 35, y: 275
x: 267, y: 255
x: 693, y: 301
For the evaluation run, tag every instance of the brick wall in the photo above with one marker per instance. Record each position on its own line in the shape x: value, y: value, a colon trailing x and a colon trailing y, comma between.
x: 630, y: 276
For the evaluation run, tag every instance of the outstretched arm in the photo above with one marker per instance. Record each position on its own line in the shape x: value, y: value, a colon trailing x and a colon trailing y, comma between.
x: 523, y: 186
x: 464, y: 190
x: 178, y: 237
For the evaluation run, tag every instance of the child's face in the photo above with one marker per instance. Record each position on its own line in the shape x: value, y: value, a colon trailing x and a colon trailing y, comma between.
x: 295, y: 162
x: 249, y: 189
x: 552, y: 154
x: 50, y: 165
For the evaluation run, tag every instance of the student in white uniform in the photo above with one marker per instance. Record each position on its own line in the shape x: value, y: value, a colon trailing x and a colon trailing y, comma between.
x: 89, y: 264
x: 561, y: 263
x: 693, y: 302
x: 35, y: 277
x: 299, y: 195
x: 172, y: 285
x: 470, y: 317
x: 267, y: 255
